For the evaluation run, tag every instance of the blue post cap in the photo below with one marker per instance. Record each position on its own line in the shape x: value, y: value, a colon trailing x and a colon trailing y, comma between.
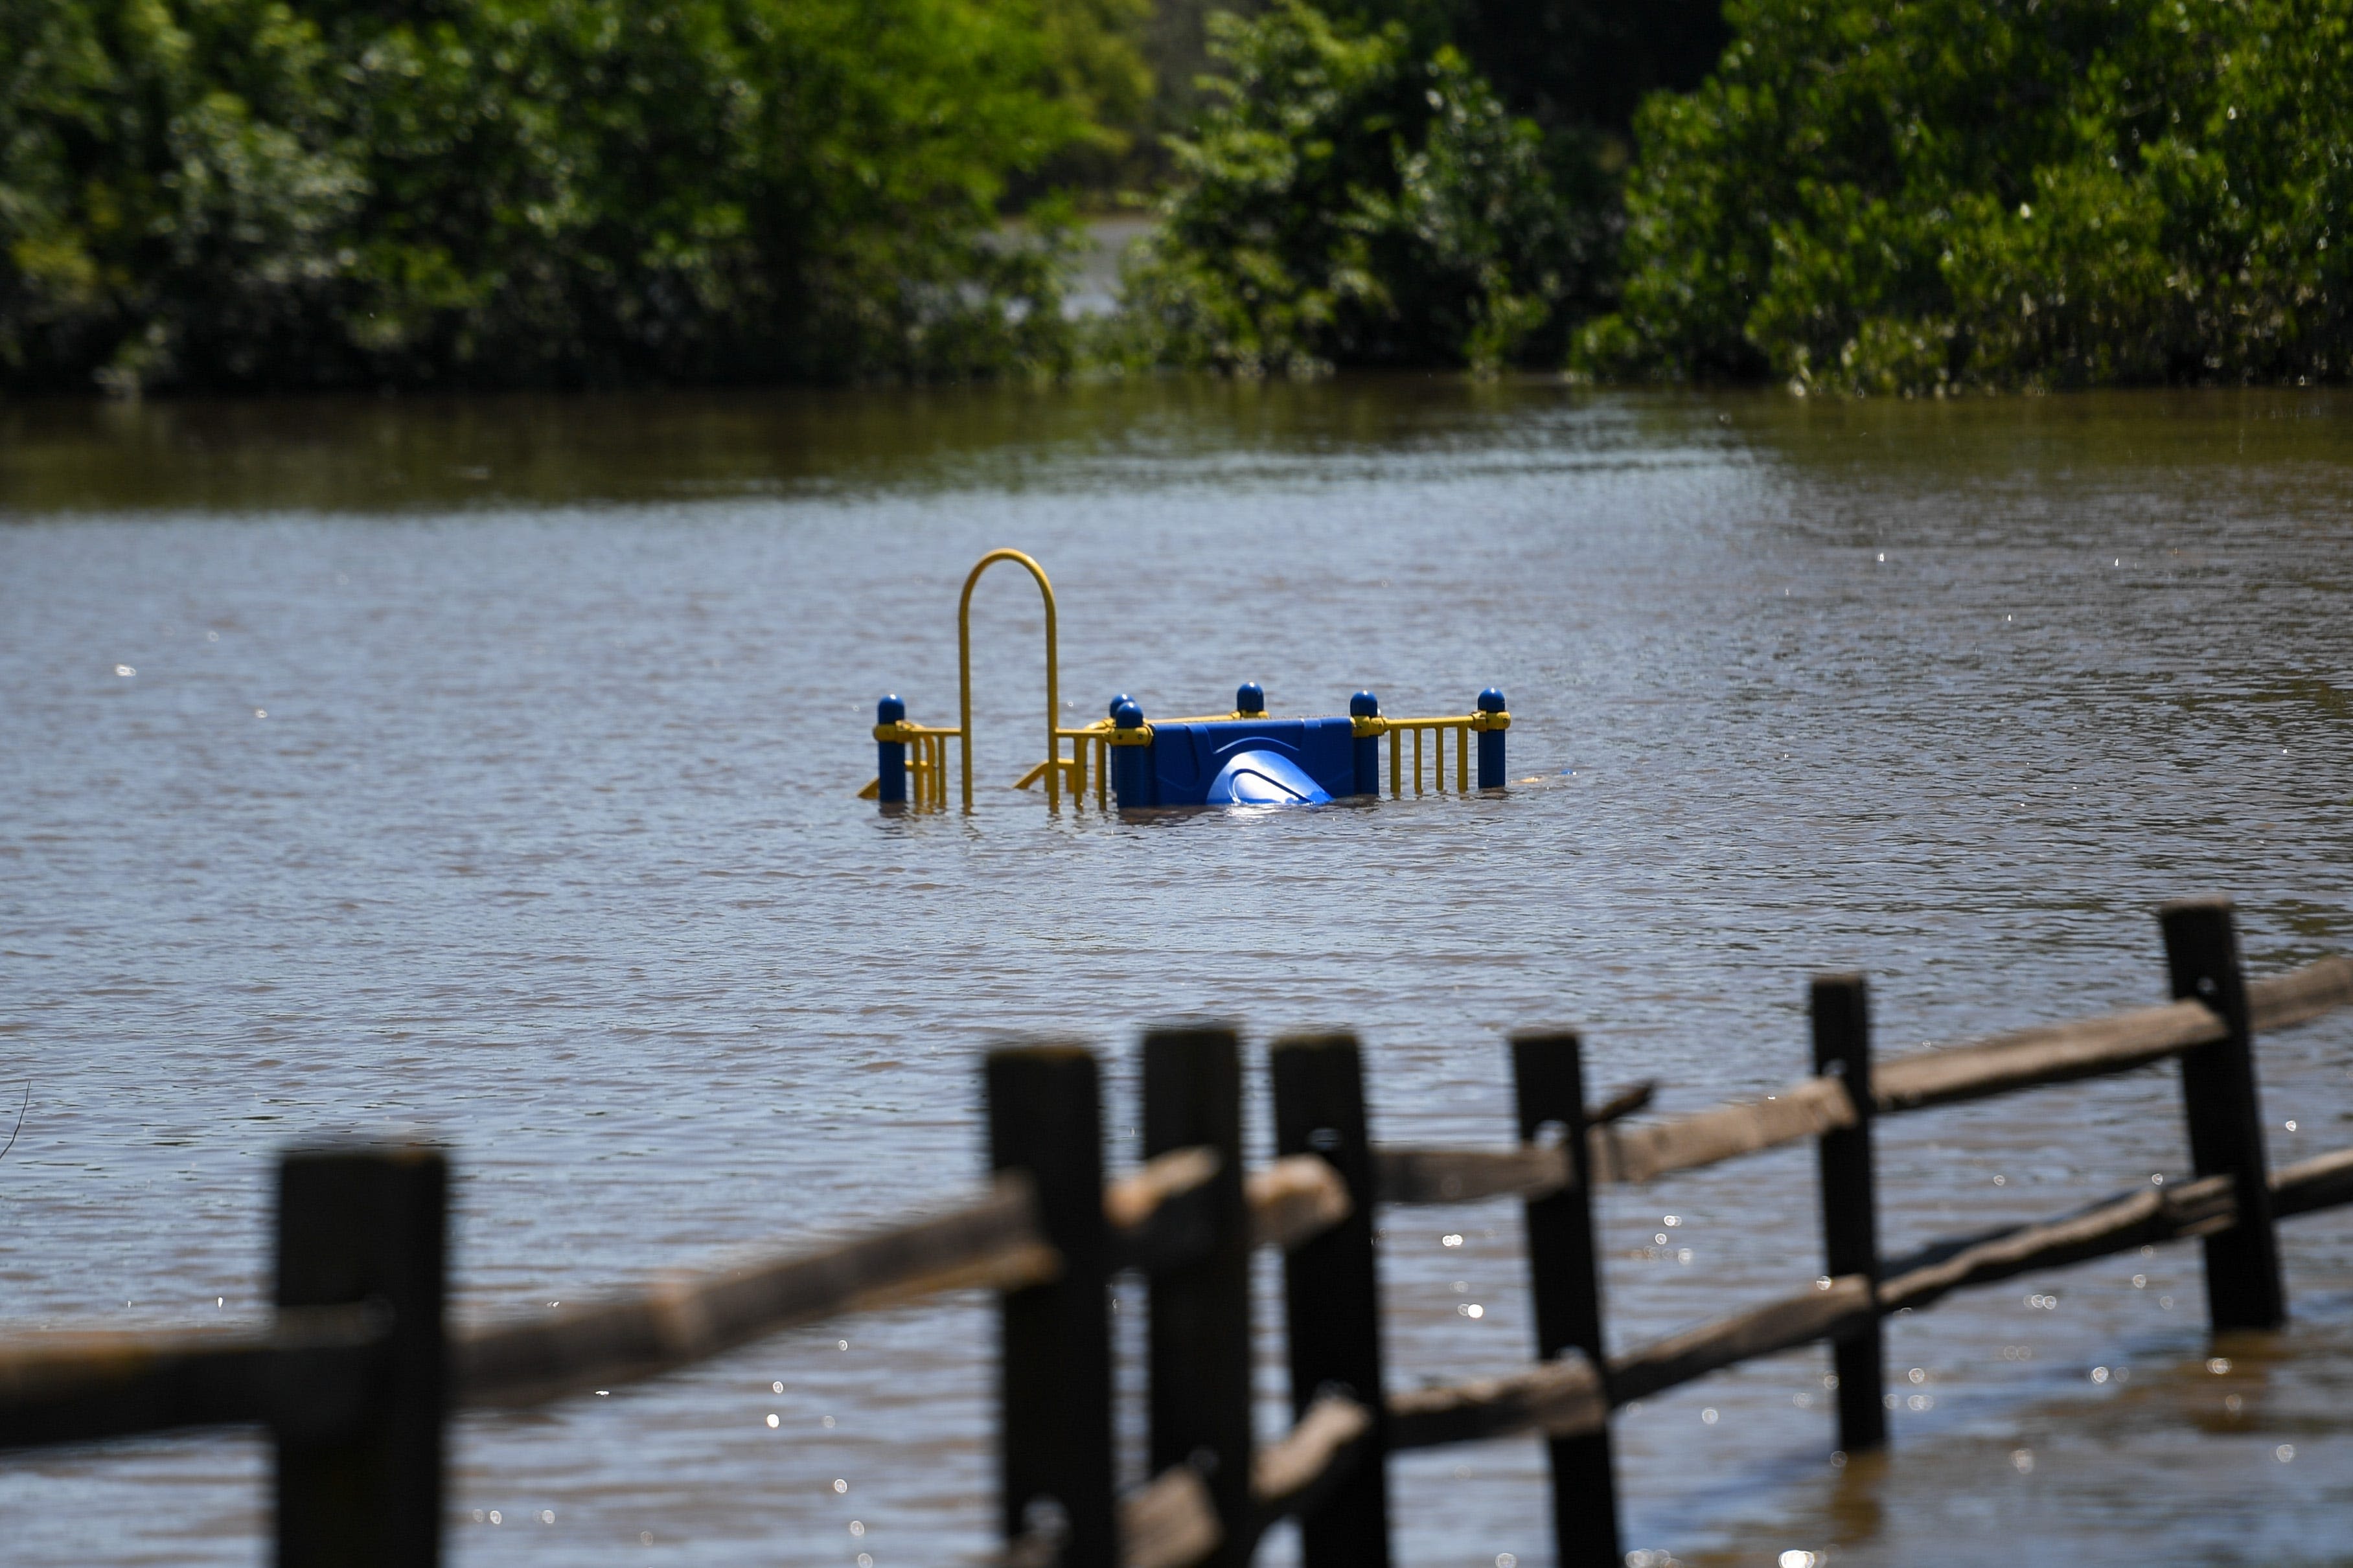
x: 1250, y: 697
x: 1128, y: 715
x: 890, y: 710
x: 1364, y: 705
x: 1121, y: 701
x: 1492, y: 700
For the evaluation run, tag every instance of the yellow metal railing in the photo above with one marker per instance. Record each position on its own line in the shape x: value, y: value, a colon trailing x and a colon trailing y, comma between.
x: 927, y: 764
x: 1073, y: 771
x: 1090, y: 741
x: 1055, y: 768
x: 1097, y: 739
x: 1461, y: 724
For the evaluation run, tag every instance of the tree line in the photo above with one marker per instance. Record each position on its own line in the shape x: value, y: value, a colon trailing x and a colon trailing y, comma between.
x: 1925, y: 196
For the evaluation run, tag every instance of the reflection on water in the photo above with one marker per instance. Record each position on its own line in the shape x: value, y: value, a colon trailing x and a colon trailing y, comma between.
x: 427, y: 456
x: 487, y: 768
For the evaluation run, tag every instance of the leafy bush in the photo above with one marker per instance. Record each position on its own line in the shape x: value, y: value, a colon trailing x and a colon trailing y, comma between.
x: 1937, y: 193
x: 1346, y: 202
x: 312, y: 193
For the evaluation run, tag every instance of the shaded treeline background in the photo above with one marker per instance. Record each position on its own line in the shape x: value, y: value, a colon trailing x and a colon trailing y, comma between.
x: 330, y: 193
x: 1927, y: 195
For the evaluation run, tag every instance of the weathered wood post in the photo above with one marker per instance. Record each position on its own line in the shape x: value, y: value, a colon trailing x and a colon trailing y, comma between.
x: 1200, y: 1317
x: 1841, y: 1016
x: 367, y: 1226
x: 1045, y: 1116
x: 2226, y: 1123
x: 1548, y: 1075
x: 1331, y: 1288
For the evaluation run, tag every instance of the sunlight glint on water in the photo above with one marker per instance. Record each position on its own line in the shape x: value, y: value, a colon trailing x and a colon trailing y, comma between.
x: 547, y: 847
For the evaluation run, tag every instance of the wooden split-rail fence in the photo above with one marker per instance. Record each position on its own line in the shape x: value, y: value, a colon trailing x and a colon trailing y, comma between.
x: 358, y: 1372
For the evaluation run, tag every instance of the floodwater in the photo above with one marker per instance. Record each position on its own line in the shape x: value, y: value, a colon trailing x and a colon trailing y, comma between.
x: 488, y: 771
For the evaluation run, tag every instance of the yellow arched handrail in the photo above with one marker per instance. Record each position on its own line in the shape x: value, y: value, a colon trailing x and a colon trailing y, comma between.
x: 1054, y: 673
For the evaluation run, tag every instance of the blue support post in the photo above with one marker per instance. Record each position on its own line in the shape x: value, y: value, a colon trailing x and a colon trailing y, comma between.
x: 890, y: 756
x: 1250, y: 698
x: 1364, y: 705
x: 1130, y: 766
x: 1490, y: 741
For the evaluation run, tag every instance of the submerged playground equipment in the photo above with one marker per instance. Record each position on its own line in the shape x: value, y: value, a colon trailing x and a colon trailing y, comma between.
x: 1241, y: 758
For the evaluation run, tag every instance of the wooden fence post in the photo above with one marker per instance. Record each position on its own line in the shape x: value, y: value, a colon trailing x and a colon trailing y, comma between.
x: 1563, y: 1272
x: 2225, y: 1114
x: 1045, y: 1116
x: 1841, y: 1014
x: 367, y: 1225
x: 1200, y: 1317
x: 1331, y: 1291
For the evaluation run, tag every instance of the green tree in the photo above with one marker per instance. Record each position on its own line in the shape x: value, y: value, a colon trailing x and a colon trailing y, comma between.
x: 1940, y: 193
x: 320, y: 192
x: 1347, y: 200
x: 158, y: 170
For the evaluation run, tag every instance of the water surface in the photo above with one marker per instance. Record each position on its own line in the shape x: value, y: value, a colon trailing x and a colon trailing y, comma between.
x: 486, y: 769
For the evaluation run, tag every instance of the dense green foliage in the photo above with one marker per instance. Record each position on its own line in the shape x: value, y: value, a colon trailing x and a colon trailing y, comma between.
x: 317, y: 192
x: 1346, y: 200
x: 1936, y: 194
x: 1865, y: 195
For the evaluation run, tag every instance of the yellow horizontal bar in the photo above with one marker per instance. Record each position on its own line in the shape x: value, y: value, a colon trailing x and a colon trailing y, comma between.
x: 1379, y: 726
x: 1069, y: 770
x: 1364, y: 727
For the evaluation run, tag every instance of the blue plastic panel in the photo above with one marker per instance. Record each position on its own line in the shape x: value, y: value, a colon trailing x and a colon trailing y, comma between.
x: 1187, y: 758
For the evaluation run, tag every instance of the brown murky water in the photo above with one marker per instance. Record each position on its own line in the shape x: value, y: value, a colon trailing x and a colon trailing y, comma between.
x: 546, y: 845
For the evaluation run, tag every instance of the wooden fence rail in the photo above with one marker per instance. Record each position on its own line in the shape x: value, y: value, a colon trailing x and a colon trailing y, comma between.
x: 356, y: 1374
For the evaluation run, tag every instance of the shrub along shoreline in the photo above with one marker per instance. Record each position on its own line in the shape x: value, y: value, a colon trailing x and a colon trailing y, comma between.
x: 1927, y: 197
x: 307, y: 194
x: 1941, y: 194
